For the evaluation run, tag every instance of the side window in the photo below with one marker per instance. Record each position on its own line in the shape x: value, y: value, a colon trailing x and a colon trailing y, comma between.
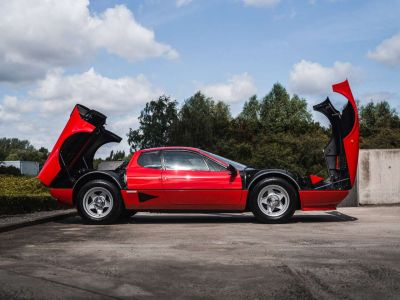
x: 214, y: 166
x: 150, y: 160
x: 184, y: 160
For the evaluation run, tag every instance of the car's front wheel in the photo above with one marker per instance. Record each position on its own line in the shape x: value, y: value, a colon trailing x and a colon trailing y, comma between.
x: 99, y: 202
x: 273, y: 200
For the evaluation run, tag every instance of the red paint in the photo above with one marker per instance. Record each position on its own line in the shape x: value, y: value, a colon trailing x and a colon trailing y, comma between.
x: 182, y: 189
x: 131, y: 201
x: 321, y: 200
x: 351, y: 141
x: 315, y: 179
x: 319, y: 208
x: 52, y: 166
x: 63, y: 195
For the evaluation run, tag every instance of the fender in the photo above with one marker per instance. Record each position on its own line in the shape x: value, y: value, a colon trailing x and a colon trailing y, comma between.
x: 280, y: 173
x: 93, y: 175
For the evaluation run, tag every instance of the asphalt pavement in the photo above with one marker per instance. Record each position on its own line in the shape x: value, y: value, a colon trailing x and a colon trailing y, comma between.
x: 352, y: 253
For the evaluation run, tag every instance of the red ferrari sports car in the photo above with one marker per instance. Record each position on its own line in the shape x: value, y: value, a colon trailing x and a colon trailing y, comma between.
x: 189, y: 179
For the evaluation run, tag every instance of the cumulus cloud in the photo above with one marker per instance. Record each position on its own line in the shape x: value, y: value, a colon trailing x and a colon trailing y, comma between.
x: 378, y: 96
x: 42, y: 113
x: 180, y: 3
x: 237, y: 88
x: 261, y: 3
x: 59, y: 92
x: 37, y: 35
x: 388, y: 52
x: 309, y: 78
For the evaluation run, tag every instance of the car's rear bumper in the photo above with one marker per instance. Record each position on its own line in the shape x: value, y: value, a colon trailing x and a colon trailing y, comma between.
x: 321, y: 200
x: 64, y: 196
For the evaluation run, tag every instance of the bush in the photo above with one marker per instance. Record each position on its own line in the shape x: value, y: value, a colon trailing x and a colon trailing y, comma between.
x: 23, y: 194
x: 11, y: 185
x: 27, y: 204
x: 10, y: 170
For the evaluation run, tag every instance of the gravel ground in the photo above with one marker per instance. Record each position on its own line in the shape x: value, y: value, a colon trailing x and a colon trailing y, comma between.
x: 353, y: 253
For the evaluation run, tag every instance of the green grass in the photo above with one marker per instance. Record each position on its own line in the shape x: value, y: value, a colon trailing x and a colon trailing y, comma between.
x: 23, y: 194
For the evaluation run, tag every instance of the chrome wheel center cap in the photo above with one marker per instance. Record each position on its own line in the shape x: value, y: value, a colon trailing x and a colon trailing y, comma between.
x: 99, y: 201
x: 273, y: 200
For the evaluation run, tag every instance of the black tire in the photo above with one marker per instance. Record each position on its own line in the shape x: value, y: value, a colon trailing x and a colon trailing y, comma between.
x: 116, y: 209
x: 281, y: 186
x: 127, y: 213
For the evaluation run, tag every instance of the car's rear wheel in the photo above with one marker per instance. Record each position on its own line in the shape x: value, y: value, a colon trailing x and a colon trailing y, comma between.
x: 99, y: 202
x: 273, y: 200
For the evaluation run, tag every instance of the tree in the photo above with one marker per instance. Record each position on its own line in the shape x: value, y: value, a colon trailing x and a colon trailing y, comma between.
x: 280, y: 113
x: 118, y: 155
x: 16, y: 149
x: 202, y: 123
x: 379, y: 126
x: 155, y: 120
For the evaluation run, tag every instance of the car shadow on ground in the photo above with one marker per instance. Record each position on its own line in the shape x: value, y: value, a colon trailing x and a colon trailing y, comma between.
x: 164, y: 218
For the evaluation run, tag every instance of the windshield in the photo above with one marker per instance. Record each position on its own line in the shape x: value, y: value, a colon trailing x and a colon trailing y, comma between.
x: 237, y: 165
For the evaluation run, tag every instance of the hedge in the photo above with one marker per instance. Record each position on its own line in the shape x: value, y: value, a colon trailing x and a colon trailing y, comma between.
x: 27, y: 204
x: 11, y: 170
x: 11, y: 185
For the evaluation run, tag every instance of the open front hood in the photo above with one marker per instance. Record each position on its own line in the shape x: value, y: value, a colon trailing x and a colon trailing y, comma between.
x: 74, y: 150
x: 341, y: 153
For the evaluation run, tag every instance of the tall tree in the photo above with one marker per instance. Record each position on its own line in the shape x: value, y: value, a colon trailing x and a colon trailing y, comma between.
x: 156, y: 121
x: 282, y: 113
x: 379, y: 126
x: 117, y: 155
x: 16, y: 149
x: 202, y: 123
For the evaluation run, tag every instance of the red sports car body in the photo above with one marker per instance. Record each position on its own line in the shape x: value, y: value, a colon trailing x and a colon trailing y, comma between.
x: 190, y: 179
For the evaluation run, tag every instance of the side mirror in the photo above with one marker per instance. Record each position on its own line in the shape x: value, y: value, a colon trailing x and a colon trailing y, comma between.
x: 231, y: 169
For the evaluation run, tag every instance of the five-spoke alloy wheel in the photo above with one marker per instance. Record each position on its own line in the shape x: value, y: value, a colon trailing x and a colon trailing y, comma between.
x: 99, y: 202
x: 273, y: 199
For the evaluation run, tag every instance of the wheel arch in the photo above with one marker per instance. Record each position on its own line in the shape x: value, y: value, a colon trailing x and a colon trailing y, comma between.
x: 270, y: 174
x: 95, y: 175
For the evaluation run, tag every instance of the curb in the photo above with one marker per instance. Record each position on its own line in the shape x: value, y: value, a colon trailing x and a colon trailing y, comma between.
x: 38, y: 220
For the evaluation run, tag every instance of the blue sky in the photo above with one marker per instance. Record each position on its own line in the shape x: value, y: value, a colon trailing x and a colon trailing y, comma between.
x: 116, y: 55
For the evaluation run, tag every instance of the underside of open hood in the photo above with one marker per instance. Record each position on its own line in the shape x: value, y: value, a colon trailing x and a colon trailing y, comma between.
x: 74, y: 150
x: 341, y: 152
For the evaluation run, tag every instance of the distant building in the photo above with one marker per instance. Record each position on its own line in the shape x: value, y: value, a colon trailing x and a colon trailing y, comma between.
x: 30, y: 168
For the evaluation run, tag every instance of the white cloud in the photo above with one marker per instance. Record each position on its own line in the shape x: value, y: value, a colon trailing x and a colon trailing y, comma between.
x: 180, y: 3
x: 41, y: 115
x: 7, y: 116
x: 388, y: 52
x: 309, y: 78
x: 59, y: 92
x: 378, y: 96
x: 261, y: 3
x: 37, y: 35
x: 238, y: 87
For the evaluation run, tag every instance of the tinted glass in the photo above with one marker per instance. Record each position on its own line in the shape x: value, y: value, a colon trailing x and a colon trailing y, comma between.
x: 184, y: 160
x: 237, y: 165
x: 214, y: 166
x: 150, y: 160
